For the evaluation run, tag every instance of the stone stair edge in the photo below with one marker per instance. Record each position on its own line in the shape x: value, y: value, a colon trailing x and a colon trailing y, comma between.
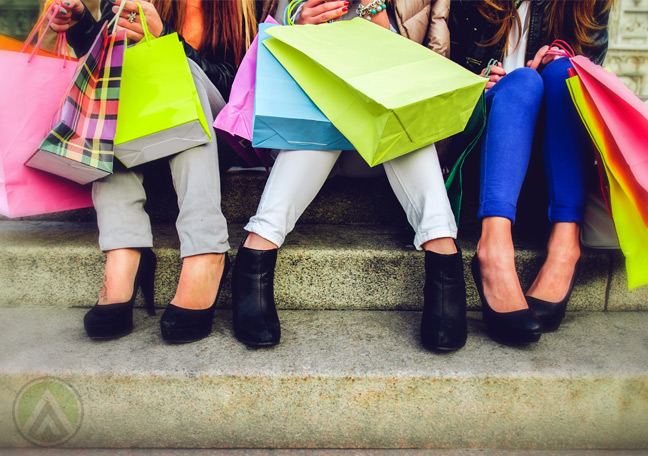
x: 320, y: 267
x: 580, y: 387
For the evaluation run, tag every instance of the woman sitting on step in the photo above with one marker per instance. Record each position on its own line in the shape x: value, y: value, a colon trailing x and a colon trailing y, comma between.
x: 416, y: 178
x: 215, y: 36
x: 527, y: 90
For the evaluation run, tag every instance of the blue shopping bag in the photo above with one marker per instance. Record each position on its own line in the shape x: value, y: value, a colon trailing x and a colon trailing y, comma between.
x: 284, y: 116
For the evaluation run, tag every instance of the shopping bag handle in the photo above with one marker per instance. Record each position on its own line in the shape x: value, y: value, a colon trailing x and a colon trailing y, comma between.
x: 148, y: 36
x: 61, y: 41
x: 293, y: 8
x: 113, y: 21
x: 489, y: 67
x: 564, y: 49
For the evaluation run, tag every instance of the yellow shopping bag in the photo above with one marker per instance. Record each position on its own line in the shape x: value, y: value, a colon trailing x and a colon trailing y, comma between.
x: 629, y: 225
x: 159, y: 110
x: 386, y: 94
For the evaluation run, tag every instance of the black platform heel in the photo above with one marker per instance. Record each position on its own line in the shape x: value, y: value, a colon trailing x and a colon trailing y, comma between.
x: 111, y: 321
x: 551, y: 314
x: 255, y: 318
x: 443, y: 323
x: 179, y: 325
x: 519, y: 327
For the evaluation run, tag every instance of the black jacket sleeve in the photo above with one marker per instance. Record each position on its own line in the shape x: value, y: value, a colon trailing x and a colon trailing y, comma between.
x: 82, y: 34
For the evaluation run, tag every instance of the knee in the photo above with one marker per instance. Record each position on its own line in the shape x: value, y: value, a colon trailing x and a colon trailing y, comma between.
x: 523, y: 86
x: 527, y: 80
x: 556, y: 72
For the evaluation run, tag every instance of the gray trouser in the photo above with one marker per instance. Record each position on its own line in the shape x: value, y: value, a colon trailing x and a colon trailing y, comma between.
x: 298, y: 175
x: 119, y: 198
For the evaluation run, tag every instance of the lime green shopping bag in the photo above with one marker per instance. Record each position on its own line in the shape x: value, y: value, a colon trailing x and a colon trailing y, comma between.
x: 386, y: 94
x: 159, y: 110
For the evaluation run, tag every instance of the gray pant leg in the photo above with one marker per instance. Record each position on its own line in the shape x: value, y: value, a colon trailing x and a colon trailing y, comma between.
x: 119, y: 201
x: 201, y: 226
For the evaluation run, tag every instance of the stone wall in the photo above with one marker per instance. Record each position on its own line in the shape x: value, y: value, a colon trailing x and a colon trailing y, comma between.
x: 628, y: 52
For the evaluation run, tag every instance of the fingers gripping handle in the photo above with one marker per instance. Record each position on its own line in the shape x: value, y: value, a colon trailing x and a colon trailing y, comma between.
x: 147, y: 35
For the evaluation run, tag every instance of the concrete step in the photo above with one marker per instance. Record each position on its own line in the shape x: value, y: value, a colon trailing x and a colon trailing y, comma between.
x: 338, y: 380
x: 320, y: 267
x: 311, y: 452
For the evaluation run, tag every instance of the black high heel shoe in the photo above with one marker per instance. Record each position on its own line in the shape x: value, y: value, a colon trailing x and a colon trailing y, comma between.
x: 256, y: 322
x: 519, y: 327
x: 179, y: 325
x: 443, y: 323
x: 551, y: 314
x: 111, y: 321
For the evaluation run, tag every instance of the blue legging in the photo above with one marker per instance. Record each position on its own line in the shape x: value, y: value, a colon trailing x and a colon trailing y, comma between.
x: 514, y: 107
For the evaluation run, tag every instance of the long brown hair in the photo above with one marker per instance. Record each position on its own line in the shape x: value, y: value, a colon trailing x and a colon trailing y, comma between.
x: 230, y: 25
x: 568, y: 20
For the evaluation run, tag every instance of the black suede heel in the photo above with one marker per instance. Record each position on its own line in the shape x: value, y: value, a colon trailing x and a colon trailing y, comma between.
x: 179, y: 325
x: 520, y: 327
x: 111, y: 321
x: 551, y: 314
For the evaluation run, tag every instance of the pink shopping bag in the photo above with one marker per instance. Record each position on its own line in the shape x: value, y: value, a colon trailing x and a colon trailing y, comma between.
x: 32, y: 89
x: 625, y: 118
x: 234, y: 121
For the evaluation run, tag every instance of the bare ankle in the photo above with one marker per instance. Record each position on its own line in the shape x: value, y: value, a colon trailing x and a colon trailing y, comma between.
x: 119, y: 275
x: 256, y: 242
x: 443, y: 246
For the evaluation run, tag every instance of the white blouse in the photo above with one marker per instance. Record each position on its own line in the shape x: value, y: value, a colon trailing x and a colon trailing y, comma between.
x: 517, y: 42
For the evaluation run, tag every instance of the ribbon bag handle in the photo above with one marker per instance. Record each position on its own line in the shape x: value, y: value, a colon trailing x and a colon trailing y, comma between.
x: 565, y: 50
x: 489, y: 67
x: 292, y: 10
x: 52, y: 11
x: 113, y: 21
x: 148, y: 36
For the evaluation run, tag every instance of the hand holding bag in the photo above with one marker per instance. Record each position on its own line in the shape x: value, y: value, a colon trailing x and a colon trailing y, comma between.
x: 159, y: 110
x: 80, y: 146
x: 31, y: 88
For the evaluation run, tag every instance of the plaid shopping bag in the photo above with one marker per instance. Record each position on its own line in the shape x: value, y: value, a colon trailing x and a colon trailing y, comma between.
x: 80, y: 145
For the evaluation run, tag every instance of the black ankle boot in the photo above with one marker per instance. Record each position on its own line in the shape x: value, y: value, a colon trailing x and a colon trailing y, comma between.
x: 256, y: 322
x: 110, y: 321
x: 443, y: 325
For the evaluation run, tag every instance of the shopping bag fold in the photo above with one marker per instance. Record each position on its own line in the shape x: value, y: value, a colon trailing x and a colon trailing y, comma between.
x: 386, y: 103
x: 284, y: 116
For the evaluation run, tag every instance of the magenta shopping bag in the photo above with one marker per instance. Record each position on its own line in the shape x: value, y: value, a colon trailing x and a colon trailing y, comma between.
x: 234, y: 121
x: 32, y: 89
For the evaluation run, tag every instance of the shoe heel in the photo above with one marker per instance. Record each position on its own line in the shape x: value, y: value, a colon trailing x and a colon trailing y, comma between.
x: 179, y: 325
x: 148, y: 287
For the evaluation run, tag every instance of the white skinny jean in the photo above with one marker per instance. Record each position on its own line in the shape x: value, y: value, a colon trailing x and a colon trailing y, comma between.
x: 298, y: 175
